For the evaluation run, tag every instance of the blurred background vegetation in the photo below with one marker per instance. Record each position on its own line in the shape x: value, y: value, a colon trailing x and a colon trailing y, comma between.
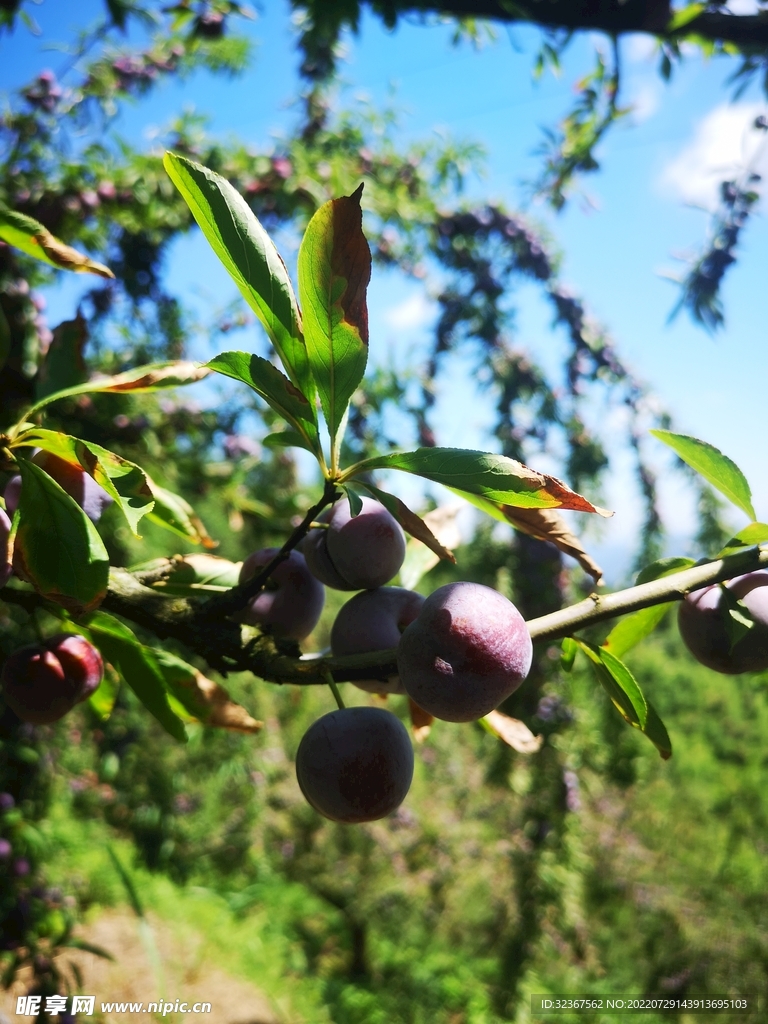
x: 590, y: 866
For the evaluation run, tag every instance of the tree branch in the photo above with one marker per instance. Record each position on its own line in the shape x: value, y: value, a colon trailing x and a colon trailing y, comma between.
x: 226, y: 646
x: 615, y: 17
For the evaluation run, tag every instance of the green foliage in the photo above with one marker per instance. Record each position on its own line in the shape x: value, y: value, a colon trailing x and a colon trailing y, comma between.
x: 715, y: 467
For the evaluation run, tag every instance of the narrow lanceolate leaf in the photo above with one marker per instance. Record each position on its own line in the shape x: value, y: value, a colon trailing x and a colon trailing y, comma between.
x: 410, y: 522
x: 56, y: 546
x: 35, y: 240
x: 151, y: 377
x: 334, y: 270
x: 354, y: 499
x: 626, y: 695
x: 174, y: 513
x: 124, y: 481
x: 138, y: 666
x: 755, y: 533
x: 276, y: 390
x: 715, y: 467
x: 494, y: 478
x: 202, y: 698
x: 247, y: 251
x: 663, y: 567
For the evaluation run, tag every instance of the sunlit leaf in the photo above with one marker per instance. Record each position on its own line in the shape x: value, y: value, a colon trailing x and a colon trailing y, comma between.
x: 151, y: 377
x: 174, y: 513
x: 715, y: 467
x: 663, y: 567
x: 57, y: 547
x: 124, y: 481
x: 570, y: 649
x: 334, y: 270
x: 248, y: 253
x: 630, y: 630
x: 275, y: 388
x: 35, y: 240
x: 102, y: 700
x: 494, y: 478
x: 755, y: 533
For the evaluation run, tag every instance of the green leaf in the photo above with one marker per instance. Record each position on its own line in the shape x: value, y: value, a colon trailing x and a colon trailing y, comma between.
x: 334, y: 271
x: 622, y: 687
x: 246, y: 250
x: 102, y: 700
x: 715, y: 467
x: 286, y: 439
x: 663, y: 567
x: 753, y: 534
x: 618, y: 682
x: 634, y: 628
x: 189, y: 575
x: 138, y: 666
x: 151, y: 377
x: 124, y: 481
x: 202, y: 698
x: 35, y: 240
x: 494, y: 478
x: 275, y: 388
x: 685, y: 15
x: 570, y: 649
x: 174, y: 513
x: 64, y: 366
x: 355, y: 501
x: 56, y: 545
x: 130, y: 889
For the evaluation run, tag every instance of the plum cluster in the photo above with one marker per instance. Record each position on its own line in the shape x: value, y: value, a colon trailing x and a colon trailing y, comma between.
x: 42, y: 682
x: 706, y: 625
x: 460, y: 653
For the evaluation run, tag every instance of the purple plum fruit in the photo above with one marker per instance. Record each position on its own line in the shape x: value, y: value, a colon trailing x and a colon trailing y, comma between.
x: 703, y: 625
x: 293, y: 599
x: 356, y: 552
x: 466, y: 652
x: 355, y: 764
x: 5, y: 566
x: 374, y: 621
x: 41, y: 683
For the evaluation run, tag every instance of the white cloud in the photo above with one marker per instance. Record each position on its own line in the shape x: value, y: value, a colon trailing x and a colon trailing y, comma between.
x: 724, y: 144
x: 415, y: 312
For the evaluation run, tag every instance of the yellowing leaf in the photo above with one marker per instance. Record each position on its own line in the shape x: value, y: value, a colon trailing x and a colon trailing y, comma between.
x: 514, y: 733
x: 548, y: 524
x: 35, y: 240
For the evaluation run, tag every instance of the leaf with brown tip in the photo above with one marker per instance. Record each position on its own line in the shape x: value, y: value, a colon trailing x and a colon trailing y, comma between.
x: 513, y: 732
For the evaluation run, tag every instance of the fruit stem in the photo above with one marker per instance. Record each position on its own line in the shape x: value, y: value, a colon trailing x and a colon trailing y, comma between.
x: 334, y: 689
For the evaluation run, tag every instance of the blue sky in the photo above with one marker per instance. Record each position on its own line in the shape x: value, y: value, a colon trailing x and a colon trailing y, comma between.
x: 681, y: 139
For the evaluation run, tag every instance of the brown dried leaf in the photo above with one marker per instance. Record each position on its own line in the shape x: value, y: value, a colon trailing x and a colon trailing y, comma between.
x: 419, y: 558
x: 548, y: 524
x: 514, y: 733
x: 212, y: 704
x: 421, y: 721
x: 67, y: 258
x: 410, y: 522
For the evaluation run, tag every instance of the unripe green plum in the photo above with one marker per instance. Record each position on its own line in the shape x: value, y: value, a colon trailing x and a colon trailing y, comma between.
x: 374, y: 620
x: 42, y: 682
x: 466, y: 652
x: 293, y: 599
x: 90, y: 496
x: 702, y: 619
x: 5, y: 566
x: 356, y: 552
x: 355, y: 764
